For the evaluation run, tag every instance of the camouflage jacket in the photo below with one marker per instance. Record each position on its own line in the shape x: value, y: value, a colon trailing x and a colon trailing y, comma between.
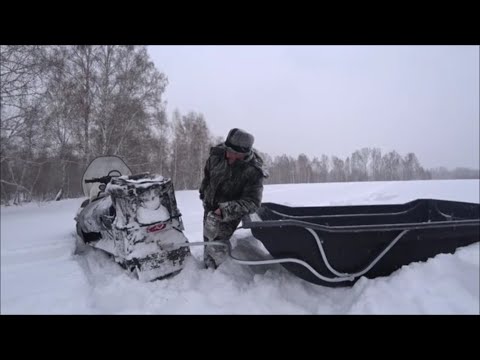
x: 237, y: 189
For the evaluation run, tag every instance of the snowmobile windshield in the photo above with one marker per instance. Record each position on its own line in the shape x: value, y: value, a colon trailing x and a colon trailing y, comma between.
x: 103, y: 166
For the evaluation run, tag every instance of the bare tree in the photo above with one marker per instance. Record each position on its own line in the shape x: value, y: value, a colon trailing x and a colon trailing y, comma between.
x: 337, y: 174
x: 190, y: 149
x: 161, y: 143
x: 347, y: 169
x: 21, y: 69
x: 179, y: 151
x: 411, y: 167
x: 375, y: 167
x: 359, y: 168
x: 392, y: 166
x: 303, y: 169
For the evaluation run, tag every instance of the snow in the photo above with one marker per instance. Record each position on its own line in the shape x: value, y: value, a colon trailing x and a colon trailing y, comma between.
x: 41, y: 274
x: 146, y: 215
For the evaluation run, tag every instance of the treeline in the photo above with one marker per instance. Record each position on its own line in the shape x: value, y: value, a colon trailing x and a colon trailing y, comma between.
x: 61, y: 106
x: 457, y: 173
x: 367, y: 164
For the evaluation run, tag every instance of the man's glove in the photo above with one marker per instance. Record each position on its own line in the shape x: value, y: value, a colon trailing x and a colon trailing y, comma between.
x: 211, y: 226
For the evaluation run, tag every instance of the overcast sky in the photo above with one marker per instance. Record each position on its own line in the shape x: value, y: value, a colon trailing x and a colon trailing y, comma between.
x: 334, y: 100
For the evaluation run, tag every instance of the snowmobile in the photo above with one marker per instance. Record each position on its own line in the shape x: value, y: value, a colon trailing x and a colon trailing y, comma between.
x: 132, y: 217
x: 335, y: 246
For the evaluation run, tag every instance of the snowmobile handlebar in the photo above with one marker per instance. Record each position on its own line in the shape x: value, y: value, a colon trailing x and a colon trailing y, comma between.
x: 104, y: 180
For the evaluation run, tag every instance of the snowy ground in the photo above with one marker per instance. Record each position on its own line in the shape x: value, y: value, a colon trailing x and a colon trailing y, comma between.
x: 40, y: 274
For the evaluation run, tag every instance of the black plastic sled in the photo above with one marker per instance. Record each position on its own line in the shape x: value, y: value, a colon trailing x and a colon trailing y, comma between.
x: 336, y: 245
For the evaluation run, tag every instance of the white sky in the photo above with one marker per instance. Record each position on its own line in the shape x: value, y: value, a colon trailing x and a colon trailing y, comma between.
x: 334, y: 100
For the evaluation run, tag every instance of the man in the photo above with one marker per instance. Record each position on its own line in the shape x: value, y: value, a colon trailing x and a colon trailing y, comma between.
x: 231, y: 188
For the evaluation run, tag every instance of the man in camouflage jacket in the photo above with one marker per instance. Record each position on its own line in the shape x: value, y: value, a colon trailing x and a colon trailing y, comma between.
x: 232, y: 187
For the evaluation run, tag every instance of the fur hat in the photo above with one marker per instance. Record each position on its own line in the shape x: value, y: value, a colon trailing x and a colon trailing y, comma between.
x: 239, y: 141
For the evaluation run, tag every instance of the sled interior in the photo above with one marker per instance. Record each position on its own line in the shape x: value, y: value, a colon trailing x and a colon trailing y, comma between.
x: 354, y: 237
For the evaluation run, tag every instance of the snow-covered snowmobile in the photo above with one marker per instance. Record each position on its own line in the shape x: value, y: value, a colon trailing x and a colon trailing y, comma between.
x: 132, y: 217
